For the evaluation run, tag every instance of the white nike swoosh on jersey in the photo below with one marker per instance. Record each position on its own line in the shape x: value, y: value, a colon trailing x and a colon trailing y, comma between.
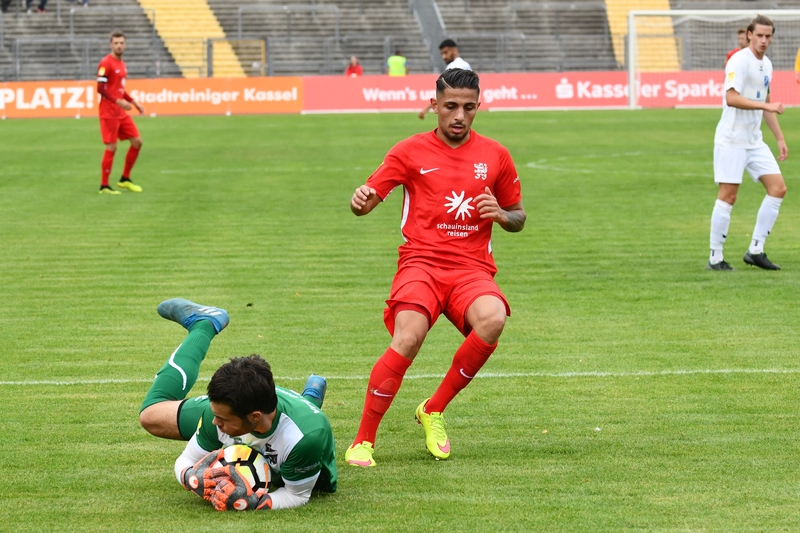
x: 465, y: 374
x: 423, y: 171
x: 116, y: 71
x: 382, y: 395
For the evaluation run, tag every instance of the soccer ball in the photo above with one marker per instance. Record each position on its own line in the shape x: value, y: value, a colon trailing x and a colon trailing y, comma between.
x: 249, y: 464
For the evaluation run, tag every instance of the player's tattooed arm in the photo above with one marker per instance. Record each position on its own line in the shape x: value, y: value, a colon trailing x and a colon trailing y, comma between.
x: 515, y: 219
x: 511, y: 219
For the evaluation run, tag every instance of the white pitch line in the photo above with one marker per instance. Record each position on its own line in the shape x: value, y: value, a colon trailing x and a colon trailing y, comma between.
x: 205, y: 170
x: 485, y: 375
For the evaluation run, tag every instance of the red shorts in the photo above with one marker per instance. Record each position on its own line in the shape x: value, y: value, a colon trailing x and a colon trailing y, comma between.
x: 438, y: 291
x: 114, y: 128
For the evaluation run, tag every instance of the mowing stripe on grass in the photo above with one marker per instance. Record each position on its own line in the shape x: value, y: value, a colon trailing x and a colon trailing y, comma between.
x: 486, y: 375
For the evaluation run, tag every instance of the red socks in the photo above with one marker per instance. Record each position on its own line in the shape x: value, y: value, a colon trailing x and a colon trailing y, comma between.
x: 130, y: 160
x: 384, y: 382
x: 387, y: 376
x: 105, y: 167
x: 467, y: 361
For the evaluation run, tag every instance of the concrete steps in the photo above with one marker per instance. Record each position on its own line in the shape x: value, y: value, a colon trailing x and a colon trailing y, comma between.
x: 559, y: 35
x: 304, y: 42
x: 184, y: 25
x: 79, y: 41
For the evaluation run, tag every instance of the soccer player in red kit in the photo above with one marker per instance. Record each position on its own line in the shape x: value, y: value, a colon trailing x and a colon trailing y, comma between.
x: 115, y: 123
x: 457, y: 185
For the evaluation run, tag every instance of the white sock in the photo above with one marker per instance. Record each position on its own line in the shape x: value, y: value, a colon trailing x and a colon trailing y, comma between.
x: 720, y: 220
x: 767, y: 215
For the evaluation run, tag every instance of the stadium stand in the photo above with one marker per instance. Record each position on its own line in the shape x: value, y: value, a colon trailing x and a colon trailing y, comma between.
x: 530, y: 36
x: 303, y: 41
x: 309, y: 37
x: 659, y: 52
x: 184, y: 26
x: 68, y: 41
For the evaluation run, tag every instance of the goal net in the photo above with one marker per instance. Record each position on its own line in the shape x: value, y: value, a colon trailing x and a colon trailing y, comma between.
x: 676, y: 58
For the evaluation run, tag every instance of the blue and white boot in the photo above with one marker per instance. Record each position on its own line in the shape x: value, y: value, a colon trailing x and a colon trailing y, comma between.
x: 186, y: 313
x: 316, y: 387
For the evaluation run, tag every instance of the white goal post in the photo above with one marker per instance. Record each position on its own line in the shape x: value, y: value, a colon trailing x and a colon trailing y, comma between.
x: 678, y: 56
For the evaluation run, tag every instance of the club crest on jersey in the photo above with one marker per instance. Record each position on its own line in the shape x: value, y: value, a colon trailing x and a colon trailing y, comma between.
x: 766, y: 81
x: 461, y: 206
x: 481, y: 170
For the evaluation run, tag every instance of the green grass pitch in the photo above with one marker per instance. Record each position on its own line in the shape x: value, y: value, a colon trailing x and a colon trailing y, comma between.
x: 632, y: 390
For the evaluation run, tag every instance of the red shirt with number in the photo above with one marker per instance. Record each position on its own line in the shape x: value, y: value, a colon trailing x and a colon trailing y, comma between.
x: 111, y: 77
x: 440, y: 222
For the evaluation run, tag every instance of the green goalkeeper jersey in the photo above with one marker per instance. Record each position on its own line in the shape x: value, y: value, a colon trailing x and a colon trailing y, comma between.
x: 299, y: 445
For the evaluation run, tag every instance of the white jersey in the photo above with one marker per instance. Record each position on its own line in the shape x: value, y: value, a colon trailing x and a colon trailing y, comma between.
x: 458, y: 63
x: 750, y: 77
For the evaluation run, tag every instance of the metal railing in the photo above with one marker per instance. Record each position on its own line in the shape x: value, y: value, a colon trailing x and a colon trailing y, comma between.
x: 356, y: 43
x: 252, y: 50
x: 490, y: 50
x: 58, y: 7
x: 433, y: 29
x: 65, y: 58
x: 94, y: 11
x: 561, y: 21
x: 289, y: 9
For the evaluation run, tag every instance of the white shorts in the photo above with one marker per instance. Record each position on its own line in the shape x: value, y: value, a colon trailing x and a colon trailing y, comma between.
x: 730, y: 162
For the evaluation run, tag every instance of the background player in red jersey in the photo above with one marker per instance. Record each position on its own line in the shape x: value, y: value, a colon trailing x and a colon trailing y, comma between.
x: 741, y: 40
x: 457, y: 184
x: 115, y: 123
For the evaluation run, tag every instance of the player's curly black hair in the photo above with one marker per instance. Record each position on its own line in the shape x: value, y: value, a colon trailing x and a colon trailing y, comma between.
x: 457, y: 78
x: 245, y: 384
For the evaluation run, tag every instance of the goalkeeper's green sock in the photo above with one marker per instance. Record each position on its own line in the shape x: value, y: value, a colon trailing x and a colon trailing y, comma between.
x: 178, y: 375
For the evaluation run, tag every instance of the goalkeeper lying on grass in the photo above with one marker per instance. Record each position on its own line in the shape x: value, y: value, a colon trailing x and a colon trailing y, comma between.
x: 243, y: 406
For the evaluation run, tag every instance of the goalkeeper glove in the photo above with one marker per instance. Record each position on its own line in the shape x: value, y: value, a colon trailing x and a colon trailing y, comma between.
x: 198, y: 477
x: 232, y: 492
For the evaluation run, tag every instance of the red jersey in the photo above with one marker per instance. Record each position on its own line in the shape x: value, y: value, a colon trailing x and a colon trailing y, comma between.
x: 440, y: 222
x: 354, y: 71
x: 112, y: 73
x: 730, y: 54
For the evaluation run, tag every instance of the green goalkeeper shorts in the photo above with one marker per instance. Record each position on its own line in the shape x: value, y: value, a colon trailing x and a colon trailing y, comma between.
x: 190, y: 413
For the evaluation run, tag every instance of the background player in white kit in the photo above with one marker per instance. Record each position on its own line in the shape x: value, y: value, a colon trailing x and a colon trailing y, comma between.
x: 738, y: 145
x: 449, y: 50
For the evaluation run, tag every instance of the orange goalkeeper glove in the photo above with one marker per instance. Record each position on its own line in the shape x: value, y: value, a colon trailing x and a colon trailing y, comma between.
x: 232, y: 492
x: 197, y: 478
